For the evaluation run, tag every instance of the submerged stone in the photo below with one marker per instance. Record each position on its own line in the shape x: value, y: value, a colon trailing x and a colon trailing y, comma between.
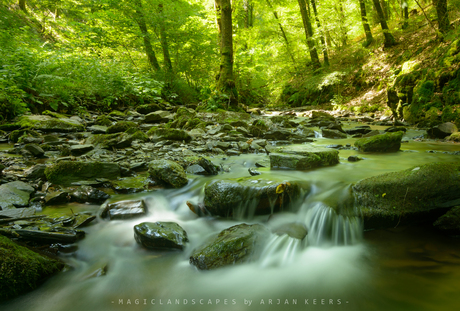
x: 302, y: 157
x: 22, y: 270
x: 419, y: 193
x: 449, y: 223
x: 160, y: 235
x: 67, y: 172
x: 168, y: 172
x: 235, y: 245
x: 249, y: 196
x: 389, y: 142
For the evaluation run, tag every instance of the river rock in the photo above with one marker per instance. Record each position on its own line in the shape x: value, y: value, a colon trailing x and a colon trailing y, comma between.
x: 449, y: 223
x: 248, y: 196
x: 121, y: 126
x: 158, y: 117
x: 131, y: 184
x: 35, y: 172
x: 301, y: 157
x: 362, y: 129
x: 160, y: 235
x: 235, y: 245
x: 335, y: 134
x: 88, y: 194
x: 110, y: 141
x: 168, y: 172
x: 34, y: 150
x: 124, y: 209
x: 442, y: 130
x: 389, y: 142
x: 278, y: 134
x: 169, y: 134
x: 49, y: 124
x: 15, y: 194
x: 56, y: 197
x: 68, y: 172
x: 22, y: 270
x: 98, y: 129
x: 148, y: 108
x: 78, y: 150
x: 418, y: 193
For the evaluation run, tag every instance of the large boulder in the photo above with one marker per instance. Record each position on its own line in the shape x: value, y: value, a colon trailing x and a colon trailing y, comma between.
x: 49, y: 124
x: 442, y: 130
x: 301, y: 157
x: 249, y: 196
x: 160, y: 235
x: 235, y: 245
x: 15, y: 194
x: 388, y: 142
x: 168, y: 172
x: 449, y: 223
x: 22, y: 270
x: 68, y: 172
x: 418, y: 193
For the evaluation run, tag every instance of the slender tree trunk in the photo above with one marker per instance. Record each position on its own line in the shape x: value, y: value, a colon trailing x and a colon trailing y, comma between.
x: 389, y: 39
x: 226, y: 83
x: 140, y: 20
x: 248, y: 14
x: 323, y: 41
x: 405, y: 11
x: 309, y: 35
x: 164, y: 40
x: 443, y: 17
x: 367, y: 28
x: 385, y: 9
x: 283, y: 33
x: 343, y: 28
x: 22, y: 5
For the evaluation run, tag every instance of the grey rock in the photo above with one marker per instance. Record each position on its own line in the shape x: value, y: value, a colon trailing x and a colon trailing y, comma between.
x: 15, y: 194
x: 124, y: 209
x: 78, y: 150
x: 160, y: 235
x: 35, y: 150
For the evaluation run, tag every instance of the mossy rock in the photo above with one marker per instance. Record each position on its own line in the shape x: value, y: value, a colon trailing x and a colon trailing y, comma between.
x: 109, y: 141
x: 140, y: 135
x: 433, y: 115
x: 103, y: 120
x: 258, y: 128
x: 168, y: 172
x: 148, y: 108
x: 67, y: 172
x: 235, y: 245
x: 116, y: 113
x: 417, y: 193
x: 9, y: 127
x: 50, y: 124
x: 301, y: 157
x: 17, y: 134
x: 449, y: 223
x: 454, y: 137
x: 169, y: 134
x: 160, y: 235
x: 249, y: 196
x: 184, y: 112
x: 22, y: 270
x: 388, y: 142
x: 53, y: 114
x: 131, y: 184
x: 121, y: 126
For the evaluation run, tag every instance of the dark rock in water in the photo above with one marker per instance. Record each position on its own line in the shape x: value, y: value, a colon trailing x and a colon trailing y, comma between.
x: 196, y: 170
x: 35, y: 172
x: 327, y: 133
x: 124, y: 209
x: 389, y: 142
x: 295, y: 230
x: 362, y: 129
x: 23, y: 270
x: 334, y: 146
x: 278, y: 134
x: 82, y: 220
x: 301, y: 157
x: 78, y: 150
x: 335, y: 126
x: 56, y: 197
x: 34, y: 150
x: 168, y: 172
x: 248, y: 196
x: 45, y: 237
x: 354, y: 158
x: 419, y: 193
x: 449, y: 223
x: 97, y: 270
x: 67, y: 172
x: 322, y: 115
x: 253, y: 172
x: 235, y: 245
x: 160, y: 235
x: 209, y: 167
x: 110, y: 141
x: 88, y: 194
x: 233, y: 152
x: 395, y: 129
x: 15, y: 194
x: 443, y: 130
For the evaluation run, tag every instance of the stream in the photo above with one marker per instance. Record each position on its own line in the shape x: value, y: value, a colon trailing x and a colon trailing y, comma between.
x: 403, y: 268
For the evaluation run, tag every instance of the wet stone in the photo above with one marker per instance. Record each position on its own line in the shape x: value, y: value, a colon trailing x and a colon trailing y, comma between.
x: 295, y: 230
x: 35, y: 172
x: 15, y: 194
x: 78, y: 150
x: 125, y: 209
x: 196, y: 170
x: 56, y: 197
x: 160, y: 235
x: 354, y: 158
x: 34, y: 150
x: 88, y: 194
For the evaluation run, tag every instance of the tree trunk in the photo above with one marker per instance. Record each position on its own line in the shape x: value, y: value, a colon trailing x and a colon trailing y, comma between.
x: 226, y: 83
x: 385, y: 9
x: 405, y: 11
x: 309, y: 35
x: 443, y: 17
x: 140, y: 20
x: 164, y: 40
x: 343, y: 28
x: 323, y: 42
x: 389, y: 39
x: 283, y: 33
x: 22, y: 5
x: 367, y: 28
x: 248, y: 14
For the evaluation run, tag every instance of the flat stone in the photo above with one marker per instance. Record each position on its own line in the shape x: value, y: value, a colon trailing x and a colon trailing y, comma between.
x: 98, y: 129
x: 15, y: 194
x: 34, y: 150
x: 125, y: 209
x: 301, y: 157
x: 78, y: 150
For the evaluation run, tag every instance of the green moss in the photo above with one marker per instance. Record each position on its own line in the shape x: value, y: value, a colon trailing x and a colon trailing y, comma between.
x: 46, y: 123
x: 117, y: 113
x: 389, y: 142
x: 53, y: 114
x: 185, y: 112
x: 170, y: 134
x: 122, y: 126
x: 454, y: 137
x: 432, y: 115
x: 17, y: 134
x: 168, y: 172
x: 22, y: 270
x: 67, y: 172
x: 139, y: 135
x: 103, y: 120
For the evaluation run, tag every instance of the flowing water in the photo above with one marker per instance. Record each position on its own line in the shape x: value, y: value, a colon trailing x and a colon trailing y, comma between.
x: 336, y: 267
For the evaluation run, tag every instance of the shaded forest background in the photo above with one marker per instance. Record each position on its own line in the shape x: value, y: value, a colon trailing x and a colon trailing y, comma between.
x: 73, y: 56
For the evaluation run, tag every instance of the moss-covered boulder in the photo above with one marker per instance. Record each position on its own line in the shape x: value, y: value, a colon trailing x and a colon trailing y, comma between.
x: 158, y: 117
x: 449, y: 223
x: 168, y: 172
x: 103, y: 120
x: 442, y: 130
x: 67, y: 172
x: 169, y: 134
x: 17, y: 134
x: 388, y: 142
x: 454, y: 137
x: 418, y: 193
x: 334, y: 134
x: 49, y: 124
x: 301, y: 157
x: 160, y: 235
x: 110, y: 141
x: 22, y: 270
x: 235, y: 245
x: 121, y: 126
x: 249, y: 196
